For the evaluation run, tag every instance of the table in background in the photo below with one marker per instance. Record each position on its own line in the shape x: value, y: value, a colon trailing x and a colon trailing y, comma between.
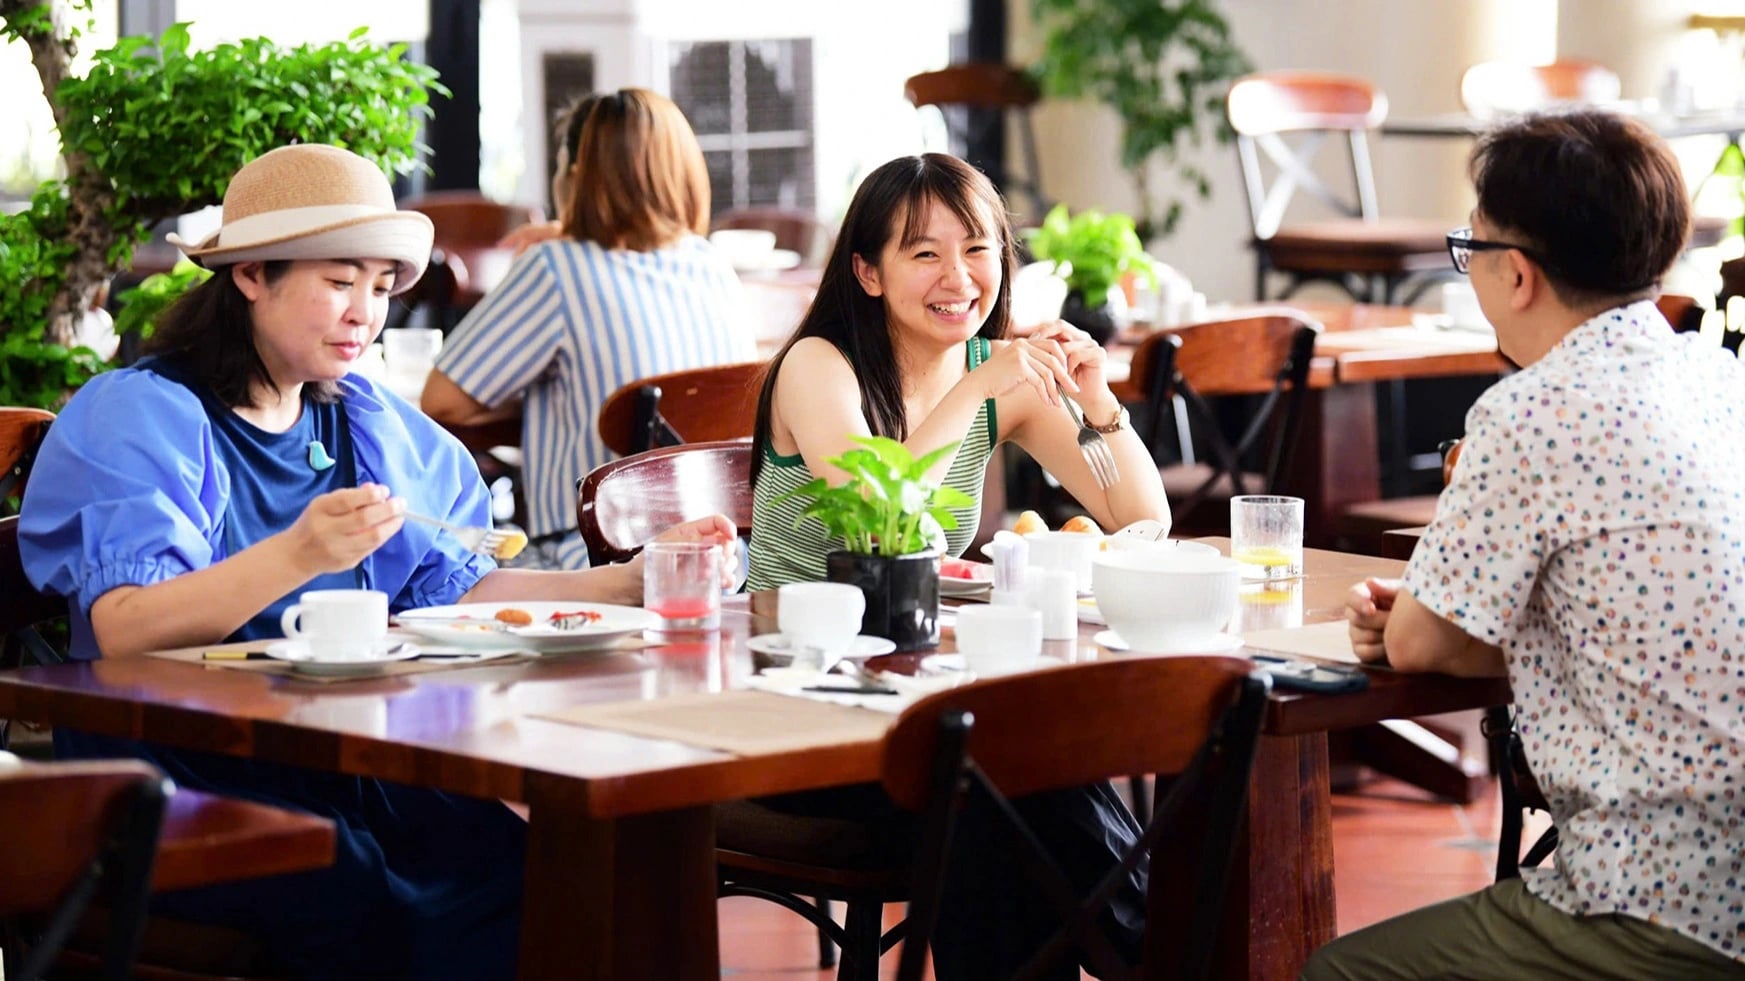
x: 620, y: 863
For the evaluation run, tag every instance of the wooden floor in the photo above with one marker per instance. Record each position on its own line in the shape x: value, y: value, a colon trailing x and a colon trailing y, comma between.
x: 1394, y: 850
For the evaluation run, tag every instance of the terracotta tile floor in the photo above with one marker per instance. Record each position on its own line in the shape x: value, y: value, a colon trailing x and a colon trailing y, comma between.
x: 1394, y: 849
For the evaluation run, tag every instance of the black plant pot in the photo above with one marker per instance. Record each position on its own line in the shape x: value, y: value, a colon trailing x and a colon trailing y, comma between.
x: 902, y: 594
x: 1099, y: 323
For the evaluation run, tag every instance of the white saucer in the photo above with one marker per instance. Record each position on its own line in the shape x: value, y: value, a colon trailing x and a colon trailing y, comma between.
x: 303, y: 661
x: 777, y: 645
x: 1224, y: 644
x: 955, y: 662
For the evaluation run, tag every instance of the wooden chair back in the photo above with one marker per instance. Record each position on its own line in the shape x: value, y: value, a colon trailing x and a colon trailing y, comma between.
x: 991, y: 86
x: 74, y: 833
x: 796, y: 230
x: 697, y: 405
x: 1495, y: 88
x: 1019, y: 735
x: 21, y: 432
x: 1267, y: 356
x: 470, y: 218
x: 1310, y: 106
x: 1680, y: 311
x: 624, y: 504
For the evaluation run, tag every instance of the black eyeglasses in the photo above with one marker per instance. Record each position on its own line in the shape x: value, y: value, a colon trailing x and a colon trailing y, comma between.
x: 1461, y: 246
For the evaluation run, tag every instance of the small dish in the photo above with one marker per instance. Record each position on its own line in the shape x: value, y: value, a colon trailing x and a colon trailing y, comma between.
x: 303, y: 661
x: 1223, y: 644
x: 776, y: 645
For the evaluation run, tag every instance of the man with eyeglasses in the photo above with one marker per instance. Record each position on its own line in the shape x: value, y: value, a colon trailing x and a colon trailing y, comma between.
x: 1590, y: 546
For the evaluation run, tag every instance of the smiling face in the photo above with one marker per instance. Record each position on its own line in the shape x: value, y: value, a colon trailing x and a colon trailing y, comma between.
x: 938, y: 288
x: 311, y: 324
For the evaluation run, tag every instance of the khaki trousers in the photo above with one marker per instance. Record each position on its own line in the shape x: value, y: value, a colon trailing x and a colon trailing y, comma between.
x: 1507, y: 933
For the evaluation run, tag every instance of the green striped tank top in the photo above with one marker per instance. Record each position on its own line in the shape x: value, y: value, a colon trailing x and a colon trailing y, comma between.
x: 783, y: 553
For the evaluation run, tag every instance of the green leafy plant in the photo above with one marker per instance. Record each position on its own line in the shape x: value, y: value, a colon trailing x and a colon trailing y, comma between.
x: 1094, y: 249
x: 155, y: 130
x: 1162, y: 65
x: 141, y: 305
x: 885, y: 506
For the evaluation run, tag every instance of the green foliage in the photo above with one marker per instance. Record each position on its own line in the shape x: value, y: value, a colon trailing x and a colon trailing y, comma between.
x: 1162, y: 65
x: 143, y: 304
x: 161, y: 129
x: 884, y: 507
x: 1099, y: 248
x: 169, y: 126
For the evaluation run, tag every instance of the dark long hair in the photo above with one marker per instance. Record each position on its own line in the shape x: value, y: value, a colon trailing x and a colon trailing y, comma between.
x: 893, y: 200
x: 209, y: 335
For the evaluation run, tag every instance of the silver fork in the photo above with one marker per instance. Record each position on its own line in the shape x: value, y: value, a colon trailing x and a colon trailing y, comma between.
x: 1092, y: 446
x: 483, y: 541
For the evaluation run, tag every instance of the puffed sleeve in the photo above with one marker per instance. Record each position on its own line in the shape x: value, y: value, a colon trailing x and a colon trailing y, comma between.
x: 126, y: 490
x: 504, y: 345
x: 402, y: 449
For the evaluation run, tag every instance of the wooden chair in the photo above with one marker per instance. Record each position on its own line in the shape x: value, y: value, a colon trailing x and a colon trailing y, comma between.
x: 796, y: 230
x: 1369, y: 256
x: 468, y: 227
x: 622, y: 505
x: 1265, y: 356
x: 1495, y: 88
x: 21, y: 432
x: 983, y: 85
x: 75, y: 833
x: 690, y: 406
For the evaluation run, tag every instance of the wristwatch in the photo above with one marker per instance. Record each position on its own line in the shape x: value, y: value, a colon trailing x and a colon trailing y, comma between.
x: 1119, y: 423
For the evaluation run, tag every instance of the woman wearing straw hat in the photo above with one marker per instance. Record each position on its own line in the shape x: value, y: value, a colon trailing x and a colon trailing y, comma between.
x: 187, y: 500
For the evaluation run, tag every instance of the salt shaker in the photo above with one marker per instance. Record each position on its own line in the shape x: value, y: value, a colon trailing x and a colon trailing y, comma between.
x: 1011, y: 557
x: 1054, y: 593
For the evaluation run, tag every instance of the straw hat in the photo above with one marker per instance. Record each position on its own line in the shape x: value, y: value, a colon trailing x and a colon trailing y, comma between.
x: 312, y: 201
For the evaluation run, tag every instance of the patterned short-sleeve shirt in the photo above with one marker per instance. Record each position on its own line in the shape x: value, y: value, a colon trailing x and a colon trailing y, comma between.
x: 1595, y: 531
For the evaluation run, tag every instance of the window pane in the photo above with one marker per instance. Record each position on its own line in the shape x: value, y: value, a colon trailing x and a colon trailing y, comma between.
x: 778, y: 85
x: 701, y: 79
x: 781, y: 177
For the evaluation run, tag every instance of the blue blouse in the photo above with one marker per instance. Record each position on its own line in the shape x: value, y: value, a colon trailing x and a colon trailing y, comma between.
x: 142, y: 478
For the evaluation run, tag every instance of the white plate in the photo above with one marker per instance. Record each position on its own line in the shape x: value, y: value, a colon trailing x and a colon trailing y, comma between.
x: 1224, y: 644
x: 864, y: 645
x: 775, y: 260
x: 304, y: 661
x: 539, y: 637
x: 963, y: 587
x: 955, y: 662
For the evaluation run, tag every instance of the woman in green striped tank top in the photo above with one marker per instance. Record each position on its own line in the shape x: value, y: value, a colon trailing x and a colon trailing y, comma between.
x: 907, y: 339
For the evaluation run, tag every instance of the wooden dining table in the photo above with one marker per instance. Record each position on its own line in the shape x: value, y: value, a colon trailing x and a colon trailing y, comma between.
x: 620, y: 874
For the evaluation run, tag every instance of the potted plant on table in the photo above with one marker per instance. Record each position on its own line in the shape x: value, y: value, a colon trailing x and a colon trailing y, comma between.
x: 891, y: 519
x: 1093, y: 251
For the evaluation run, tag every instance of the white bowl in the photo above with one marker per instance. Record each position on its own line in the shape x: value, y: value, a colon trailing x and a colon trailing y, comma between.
x: 743, y: 246
x: 1165, y: 600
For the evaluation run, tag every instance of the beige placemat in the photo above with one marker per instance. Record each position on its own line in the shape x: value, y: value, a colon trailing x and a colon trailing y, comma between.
x: 1328, y: 641
x: 745, y: 723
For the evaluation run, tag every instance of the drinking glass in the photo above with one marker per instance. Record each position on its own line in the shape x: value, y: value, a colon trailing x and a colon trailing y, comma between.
x: 681, y: 581
x: 1266, y: 536
x: 410, y: 354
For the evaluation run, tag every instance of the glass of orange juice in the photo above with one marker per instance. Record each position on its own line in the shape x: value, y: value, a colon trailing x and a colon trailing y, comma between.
x: 1266, y: 536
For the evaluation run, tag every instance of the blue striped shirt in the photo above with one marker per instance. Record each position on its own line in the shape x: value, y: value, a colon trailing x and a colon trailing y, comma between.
x: 573, y: 322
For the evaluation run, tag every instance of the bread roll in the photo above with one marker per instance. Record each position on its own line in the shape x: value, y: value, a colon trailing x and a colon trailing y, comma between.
x: 1082, y: 524
x: 1028, y: 522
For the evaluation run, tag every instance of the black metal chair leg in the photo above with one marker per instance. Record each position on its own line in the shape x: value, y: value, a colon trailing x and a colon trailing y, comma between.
x: 826, y: 949
x: 860, y: 957
x: 1141, y: 788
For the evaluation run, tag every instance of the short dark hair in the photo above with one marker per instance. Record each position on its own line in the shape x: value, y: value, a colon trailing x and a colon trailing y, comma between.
x: 892, y: 202
x: 1597, y: 196
x: 209, y: 334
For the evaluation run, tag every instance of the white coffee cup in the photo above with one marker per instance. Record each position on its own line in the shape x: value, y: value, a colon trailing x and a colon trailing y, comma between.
x: 1166, y: 600
x: 338, y: 624
x: 993, y: 639
x: 824, y: 616
x: 1071, y: 551
x: 1460, y: 305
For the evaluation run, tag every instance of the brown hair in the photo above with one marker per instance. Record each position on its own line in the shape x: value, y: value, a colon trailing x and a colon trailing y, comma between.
x: 1597, y: 199
x: 209, y: 334
x: 892, y: 201
x: 637, y: 177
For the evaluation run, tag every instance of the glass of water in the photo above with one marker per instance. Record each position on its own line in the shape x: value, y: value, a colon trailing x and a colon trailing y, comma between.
x: 1266, y: 536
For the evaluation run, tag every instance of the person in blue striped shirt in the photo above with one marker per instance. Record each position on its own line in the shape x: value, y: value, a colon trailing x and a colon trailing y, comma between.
x: 625, y: 286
